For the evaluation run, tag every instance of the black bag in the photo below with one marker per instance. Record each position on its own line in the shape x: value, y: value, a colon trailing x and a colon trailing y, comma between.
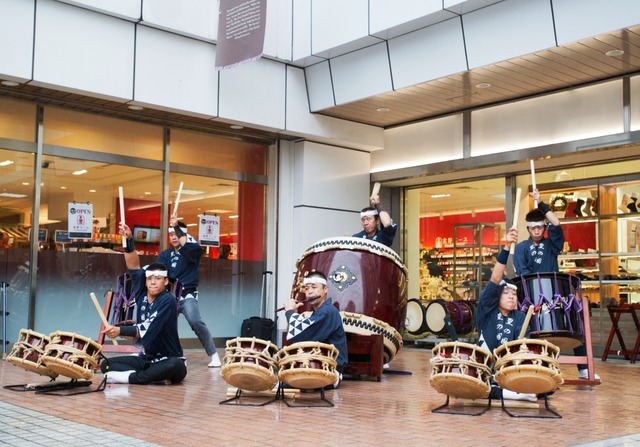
x: 258, y: 327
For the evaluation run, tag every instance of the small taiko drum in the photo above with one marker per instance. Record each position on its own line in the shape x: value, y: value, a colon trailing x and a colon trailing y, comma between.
x: 366, y: 325
x: 72, y: 355
x: 308, y: 365
x: 27, y: 353
x: 528, y: 366
x: 415, y: 324
x: 250, y: 364
x: 461, y: 370
x: 363, y: 276
x: 460, y: 312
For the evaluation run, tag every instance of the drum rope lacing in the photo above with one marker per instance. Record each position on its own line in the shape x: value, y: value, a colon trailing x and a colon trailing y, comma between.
x: 553, y: 303
x: 373, y: 328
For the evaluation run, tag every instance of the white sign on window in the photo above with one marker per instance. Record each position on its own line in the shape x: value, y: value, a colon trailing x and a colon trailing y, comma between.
x: 209, y: 231
x: 80, y: 220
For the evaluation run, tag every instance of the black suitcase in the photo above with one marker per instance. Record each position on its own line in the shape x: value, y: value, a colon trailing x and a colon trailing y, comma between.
x: 262, y: 328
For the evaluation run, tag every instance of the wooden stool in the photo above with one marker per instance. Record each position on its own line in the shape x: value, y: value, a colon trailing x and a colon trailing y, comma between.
x: 614, y: 314
x: 365, y: 356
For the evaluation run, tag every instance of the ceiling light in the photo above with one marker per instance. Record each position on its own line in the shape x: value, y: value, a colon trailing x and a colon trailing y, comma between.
x: 92, y: 190
x: 6, y: 163
x: 235, y: 216
x: 12, y: 195
x: 483, y: 85
x: 383, y: 109
x: 25, y: 183
x: 439, y: 196
x: 10, y: 83
x: 614, y: 53
x: 136, y: 108
x: 80, y: 172
x: 191, y: 192
x: 147, y: 193
x: 236, y: 127
x: 63, y: 187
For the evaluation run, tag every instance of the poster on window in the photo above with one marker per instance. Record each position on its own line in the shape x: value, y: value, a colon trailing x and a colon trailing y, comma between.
x: 241, y: 26
x: 209, y: 231
x: 80, y: 220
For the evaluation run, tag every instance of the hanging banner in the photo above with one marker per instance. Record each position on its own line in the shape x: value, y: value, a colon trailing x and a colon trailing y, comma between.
x: 209, y: 231
x: 80, y: 220
x: 241, y: 26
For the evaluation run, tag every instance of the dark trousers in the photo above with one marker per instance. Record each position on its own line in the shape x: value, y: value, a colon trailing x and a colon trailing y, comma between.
x: 173, y: 369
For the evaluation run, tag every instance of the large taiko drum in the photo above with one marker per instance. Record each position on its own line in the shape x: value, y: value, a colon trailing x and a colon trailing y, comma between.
x: 364, y: 277
x: 528, y: 366
x: 308, y: 365
x: 27, y: 353
x: 460, y: 312
x: 557, y: 298
x: 72, y: 355
x: 250, y: 364
x: 461, y: 370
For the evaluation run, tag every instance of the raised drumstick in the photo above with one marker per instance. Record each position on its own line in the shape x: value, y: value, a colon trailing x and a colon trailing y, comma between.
x: 516, y: 210
x: 175, y: 205
x: 121, y: 193
x: 533, y: 181
x: 527, y: 318
x: 102, y: 317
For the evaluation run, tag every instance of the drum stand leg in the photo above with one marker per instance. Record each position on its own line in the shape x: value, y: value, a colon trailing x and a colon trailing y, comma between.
x: 550, y: 413
x: 441, y: 409
x: 318, y: 403
x: 235, y: 400
x: 52, y: 386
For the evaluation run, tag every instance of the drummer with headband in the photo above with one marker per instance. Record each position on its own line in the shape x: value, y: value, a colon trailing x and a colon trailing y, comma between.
x: 497, y: 316
x: 377, y: 224
x: 324, y: 325
x: 539, y: 254
x: 156, y: 329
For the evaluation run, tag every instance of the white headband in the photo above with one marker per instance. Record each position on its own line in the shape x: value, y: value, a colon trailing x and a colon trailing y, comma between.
x: 368, y: 213
x: 155, y: 273
x: 509, y: 285
x: 315, y: 280
x: 171, y: 230
x: 536, y: 224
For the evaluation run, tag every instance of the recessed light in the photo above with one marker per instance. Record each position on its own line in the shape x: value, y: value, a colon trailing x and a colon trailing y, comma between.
x: 236, y: 127
x: 439, y: 196
x: 92, y: 190
x: 147, y: 193
x: 383, y: 109
x: 483, y: 85
x: 80, y: 172
x: 10, y: 83
x: 136, y: 108
x: 63, y: 187
x: 6, y: 163
x: 614, y: 53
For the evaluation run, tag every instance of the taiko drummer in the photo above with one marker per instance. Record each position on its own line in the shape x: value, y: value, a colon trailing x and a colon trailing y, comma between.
x: 324, y: 325
x: 497, y: 316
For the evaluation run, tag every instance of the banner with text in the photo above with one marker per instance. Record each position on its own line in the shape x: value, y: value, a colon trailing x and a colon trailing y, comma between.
x: 241, y: 26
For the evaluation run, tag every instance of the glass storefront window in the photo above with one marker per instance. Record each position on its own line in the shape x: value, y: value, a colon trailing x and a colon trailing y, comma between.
x: 17, y: 120
x: 16, y: 197
x: 229, y: 154
x: 102, y: 134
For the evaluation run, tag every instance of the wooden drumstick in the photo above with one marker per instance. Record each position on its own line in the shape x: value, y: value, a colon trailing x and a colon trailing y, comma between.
x: 175, y: 205
x: 516, y: 210
x: 376, y: 189
x: 527, y: 318
x: 533, y: 181
x: 121, y: 193
x: 102, y: 317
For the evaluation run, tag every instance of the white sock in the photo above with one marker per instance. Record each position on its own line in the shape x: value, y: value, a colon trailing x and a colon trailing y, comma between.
x: 512, y: 395
x: 118, y: 376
